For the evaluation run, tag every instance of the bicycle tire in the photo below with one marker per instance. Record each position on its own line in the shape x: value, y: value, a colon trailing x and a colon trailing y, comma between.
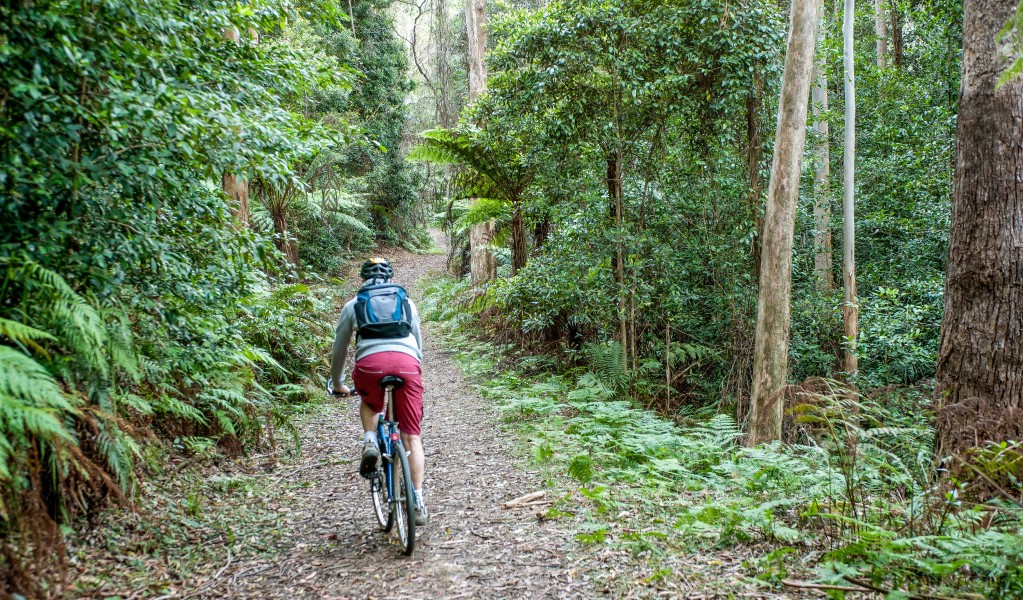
x: 386, y: 486
x: 378, y: 492
x: 405, y: 503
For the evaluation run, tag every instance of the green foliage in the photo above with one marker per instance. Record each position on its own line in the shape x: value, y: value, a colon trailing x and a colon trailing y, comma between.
x: 856, y: 497
x: 131, y: 302
x: 673, y: 104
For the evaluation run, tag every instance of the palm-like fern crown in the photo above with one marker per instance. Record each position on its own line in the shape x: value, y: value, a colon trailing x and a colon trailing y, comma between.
x: 487, y: 171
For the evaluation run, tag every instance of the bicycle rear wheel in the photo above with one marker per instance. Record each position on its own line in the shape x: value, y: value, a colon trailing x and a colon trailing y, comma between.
x: 405, y: 503
x: 378, y: 490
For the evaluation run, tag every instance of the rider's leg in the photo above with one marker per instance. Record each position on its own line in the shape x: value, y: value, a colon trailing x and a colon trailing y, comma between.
x: 416, y: 461
x: 369, y: 418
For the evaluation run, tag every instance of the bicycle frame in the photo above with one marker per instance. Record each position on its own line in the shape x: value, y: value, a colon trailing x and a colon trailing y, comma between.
x: 398, y: 506
x: 388, y: 434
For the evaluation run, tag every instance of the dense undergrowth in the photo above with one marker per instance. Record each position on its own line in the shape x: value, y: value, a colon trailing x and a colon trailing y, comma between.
x: 853, y: 501
x: 147, y: 311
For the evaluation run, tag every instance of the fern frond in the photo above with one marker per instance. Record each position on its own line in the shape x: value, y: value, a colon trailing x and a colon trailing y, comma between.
x: 24, y: 335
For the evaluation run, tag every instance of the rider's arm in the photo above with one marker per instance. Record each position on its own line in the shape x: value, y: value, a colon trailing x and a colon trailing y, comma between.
x: 342, y: 336
x: 415, y: 325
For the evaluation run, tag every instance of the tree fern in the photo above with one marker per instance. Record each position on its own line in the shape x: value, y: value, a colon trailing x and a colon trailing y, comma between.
x: 25, y: 335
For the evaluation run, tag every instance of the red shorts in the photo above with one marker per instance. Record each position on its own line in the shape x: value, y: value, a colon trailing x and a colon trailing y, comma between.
x: 408, y: 401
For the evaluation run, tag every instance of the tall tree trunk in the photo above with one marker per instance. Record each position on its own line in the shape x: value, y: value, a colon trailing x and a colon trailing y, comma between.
x: 881, y: 33
x: 770, y: 358
x: 980, y: 364
x: 445, y: 109
x: 519, y: 249
x: 235, y: 187
x: 475, y: 22
x: 821, y: 167
x: 850, y: 308
x: 285, y: 242
x: 483, y: 266
x: 616, y: 208
x: 754, y: 150
x: 896, y: 17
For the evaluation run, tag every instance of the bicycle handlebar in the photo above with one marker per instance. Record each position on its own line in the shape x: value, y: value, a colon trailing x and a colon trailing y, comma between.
x: 337, y: 394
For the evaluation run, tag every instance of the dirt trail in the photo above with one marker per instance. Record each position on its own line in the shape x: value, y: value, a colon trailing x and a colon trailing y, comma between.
x: 330, y: 546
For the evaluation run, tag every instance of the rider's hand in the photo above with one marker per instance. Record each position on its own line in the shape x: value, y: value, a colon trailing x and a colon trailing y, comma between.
x: 341, y: 391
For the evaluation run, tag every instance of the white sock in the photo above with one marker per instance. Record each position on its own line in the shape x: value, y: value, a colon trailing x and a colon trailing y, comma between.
x: 419, y: 497
x: 371, y: 436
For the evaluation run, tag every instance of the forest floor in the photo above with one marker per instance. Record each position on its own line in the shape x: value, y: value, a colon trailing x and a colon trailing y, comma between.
x: 280, y: 526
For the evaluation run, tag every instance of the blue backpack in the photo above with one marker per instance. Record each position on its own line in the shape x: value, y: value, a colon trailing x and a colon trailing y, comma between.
x: 382, y: 312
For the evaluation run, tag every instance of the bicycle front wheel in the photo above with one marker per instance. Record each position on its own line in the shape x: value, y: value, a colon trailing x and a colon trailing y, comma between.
x: 404, y: 500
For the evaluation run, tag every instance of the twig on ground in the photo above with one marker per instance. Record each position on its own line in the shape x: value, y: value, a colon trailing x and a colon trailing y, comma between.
x: 522, y: 500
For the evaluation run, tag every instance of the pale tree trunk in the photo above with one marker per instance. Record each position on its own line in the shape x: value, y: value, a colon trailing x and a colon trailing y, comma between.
x: 475, y: 21
x: 980, y: 364
x: 236, y: 188
x: 483, y: 267
x: 821, y: 168
x: 770, y: 357
x: 850, y: 308
x: 881, y: 33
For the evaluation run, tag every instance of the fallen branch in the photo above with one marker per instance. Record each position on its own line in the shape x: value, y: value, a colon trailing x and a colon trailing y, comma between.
x: 822, y: 586
x: 524, y: 499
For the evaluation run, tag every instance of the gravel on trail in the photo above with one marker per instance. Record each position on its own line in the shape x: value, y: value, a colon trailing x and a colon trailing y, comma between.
x: 472, y: 547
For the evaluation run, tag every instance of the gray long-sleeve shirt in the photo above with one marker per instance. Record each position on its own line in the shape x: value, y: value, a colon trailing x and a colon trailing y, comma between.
x: 411, y: 345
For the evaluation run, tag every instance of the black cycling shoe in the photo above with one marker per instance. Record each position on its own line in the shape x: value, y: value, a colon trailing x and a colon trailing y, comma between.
x: 370, y: 457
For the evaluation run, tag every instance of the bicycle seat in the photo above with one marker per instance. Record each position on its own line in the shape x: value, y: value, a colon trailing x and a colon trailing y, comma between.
x: 392, y: 381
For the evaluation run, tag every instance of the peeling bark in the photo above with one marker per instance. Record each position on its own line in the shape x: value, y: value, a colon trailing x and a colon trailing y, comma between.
x: 770, y: 357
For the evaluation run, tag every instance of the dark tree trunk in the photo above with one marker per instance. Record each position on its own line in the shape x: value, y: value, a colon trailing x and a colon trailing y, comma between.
x: 616, y: 208
x: 896, y: 36
x: 541, y: 230
x: 285, y: 243
x: 754, y: 150
x: 980, y: 364
x: 519, y: 247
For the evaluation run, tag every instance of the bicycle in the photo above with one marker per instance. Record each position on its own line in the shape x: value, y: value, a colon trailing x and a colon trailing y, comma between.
x: 391, y: 484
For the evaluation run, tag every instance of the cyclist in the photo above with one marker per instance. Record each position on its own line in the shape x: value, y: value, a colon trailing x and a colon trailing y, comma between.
x: 381, y: 351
